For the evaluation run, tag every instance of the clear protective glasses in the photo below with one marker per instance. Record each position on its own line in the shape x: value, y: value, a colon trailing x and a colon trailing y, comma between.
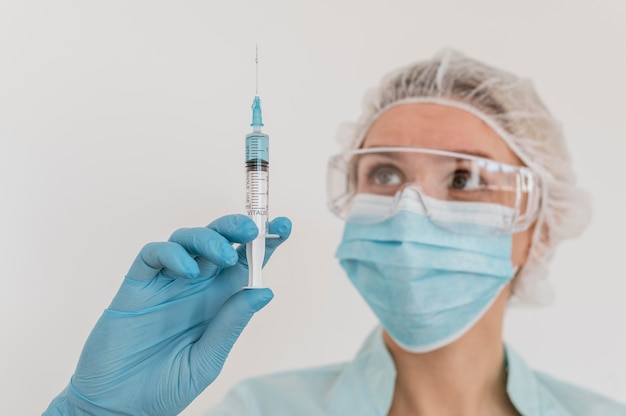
x: 455, y: 190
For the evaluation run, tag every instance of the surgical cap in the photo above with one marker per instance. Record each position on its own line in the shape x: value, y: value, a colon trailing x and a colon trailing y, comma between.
x: 512, y: 108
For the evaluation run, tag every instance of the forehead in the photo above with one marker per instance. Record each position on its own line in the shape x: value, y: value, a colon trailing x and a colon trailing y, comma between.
x: 439, y: 127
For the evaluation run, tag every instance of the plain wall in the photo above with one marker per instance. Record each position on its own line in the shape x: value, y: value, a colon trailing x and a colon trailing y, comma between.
x: 121, y: 121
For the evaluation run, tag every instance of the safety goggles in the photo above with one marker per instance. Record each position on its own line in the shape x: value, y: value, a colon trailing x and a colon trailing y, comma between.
x: 454, y: 190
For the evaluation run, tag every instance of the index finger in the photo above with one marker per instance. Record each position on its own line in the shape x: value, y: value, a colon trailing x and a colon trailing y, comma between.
x: 236, y: 228
x: 155, y: 257
x: 206, y: 243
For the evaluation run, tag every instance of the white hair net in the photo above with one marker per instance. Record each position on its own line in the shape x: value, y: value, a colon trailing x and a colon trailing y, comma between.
x: 512, y: 108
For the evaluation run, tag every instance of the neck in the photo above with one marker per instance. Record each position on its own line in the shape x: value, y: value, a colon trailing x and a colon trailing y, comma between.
x: 466, y: 377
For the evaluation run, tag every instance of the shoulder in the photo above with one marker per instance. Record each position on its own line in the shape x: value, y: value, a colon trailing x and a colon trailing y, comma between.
x: 578, y: 400
x: 285, y: 393
x: 535, y: 392
x: 314, y: 379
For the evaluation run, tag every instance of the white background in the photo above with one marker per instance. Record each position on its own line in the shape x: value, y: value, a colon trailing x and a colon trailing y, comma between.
x: 121, y: 121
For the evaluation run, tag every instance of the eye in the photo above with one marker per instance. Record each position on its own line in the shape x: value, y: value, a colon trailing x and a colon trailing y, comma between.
x: 385, y: 176
x: 463, y: 180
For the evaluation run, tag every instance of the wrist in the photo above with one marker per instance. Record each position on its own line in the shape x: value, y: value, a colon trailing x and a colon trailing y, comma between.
x: 71, y: 403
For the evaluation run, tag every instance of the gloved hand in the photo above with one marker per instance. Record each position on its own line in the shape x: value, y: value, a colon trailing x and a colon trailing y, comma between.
x: 168, y: 330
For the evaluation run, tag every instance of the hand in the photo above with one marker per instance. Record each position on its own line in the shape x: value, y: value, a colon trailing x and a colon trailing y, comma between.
x: 169, y: 329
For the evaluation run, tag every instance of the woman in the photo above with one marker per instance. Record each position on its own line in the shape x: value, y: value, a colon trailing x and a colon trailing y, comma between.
x: 456, y: 187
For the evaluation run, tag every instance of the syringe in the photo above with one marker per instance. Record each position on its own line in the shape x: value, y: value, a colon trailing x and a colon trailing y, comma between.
x: 257, y: 190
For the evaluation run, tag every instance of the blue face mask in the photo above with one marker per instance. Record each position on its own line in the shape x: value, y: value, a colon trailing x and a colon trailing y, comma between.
x: 427, y: 286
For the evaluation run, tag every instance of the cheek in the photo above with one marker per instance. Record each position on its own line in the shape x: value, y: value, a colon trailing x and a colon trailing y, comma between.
x: 521, y: 246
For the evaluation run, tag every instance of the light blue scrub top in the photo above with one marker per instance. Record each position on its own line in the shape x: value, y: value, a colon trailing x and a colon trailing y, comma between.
x: 364, y: 387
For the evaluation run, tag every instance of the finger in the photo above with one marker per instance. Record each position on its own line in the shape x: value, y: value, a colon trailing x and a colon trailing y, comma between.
x: 280, y: 226
x: 211, y: 350
x: 206, y: 243
x: 236, y: 228
x: 166, y: 256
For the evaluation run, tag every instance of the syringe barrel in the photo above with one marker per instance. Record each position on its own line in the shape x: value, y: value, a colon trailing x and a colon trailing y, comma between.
x: 257, y: 200
x: 257, y: 174
x: 257, y: 187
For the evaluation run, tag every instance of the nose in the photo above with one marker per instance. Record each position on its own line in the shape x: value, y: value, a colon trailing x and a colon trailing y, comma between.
x: 411, y: 197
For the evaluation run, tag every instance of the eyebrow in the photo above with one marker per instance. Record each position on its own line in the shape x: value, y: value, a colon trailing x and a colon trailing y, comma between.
x: 473, y: 152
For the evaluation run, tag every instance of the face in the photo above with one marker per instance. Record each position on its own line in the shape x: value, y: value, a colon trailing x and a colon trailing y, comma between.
x: 446, y: 128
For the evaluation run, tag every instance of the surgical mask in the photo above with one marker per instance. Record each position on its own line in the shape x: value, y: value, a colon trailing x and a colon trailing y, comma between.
x: 427, y: 285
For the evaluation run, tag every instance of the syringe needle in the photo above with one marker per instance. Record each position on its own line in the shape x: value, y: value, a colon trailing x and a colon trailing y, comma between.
x: 256, y: 60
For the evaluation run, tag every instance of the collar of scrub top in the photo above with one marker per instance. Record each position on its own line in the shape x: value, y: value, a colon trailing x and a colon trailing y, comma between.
x: 371, y: 377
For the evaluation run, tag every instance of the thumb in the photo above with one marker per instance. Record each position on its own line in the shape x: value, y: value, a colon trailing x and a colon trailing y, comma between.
x: 210, y: 352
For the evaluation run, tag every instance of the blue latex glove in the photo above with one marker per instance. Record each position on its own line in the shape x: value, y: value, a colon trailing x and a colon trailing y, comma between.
x: 167, y: 332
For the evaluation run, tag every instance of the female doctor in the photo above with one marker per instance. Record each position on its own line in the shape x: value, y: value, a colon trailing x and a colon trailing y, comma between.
x: 455, y: 186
